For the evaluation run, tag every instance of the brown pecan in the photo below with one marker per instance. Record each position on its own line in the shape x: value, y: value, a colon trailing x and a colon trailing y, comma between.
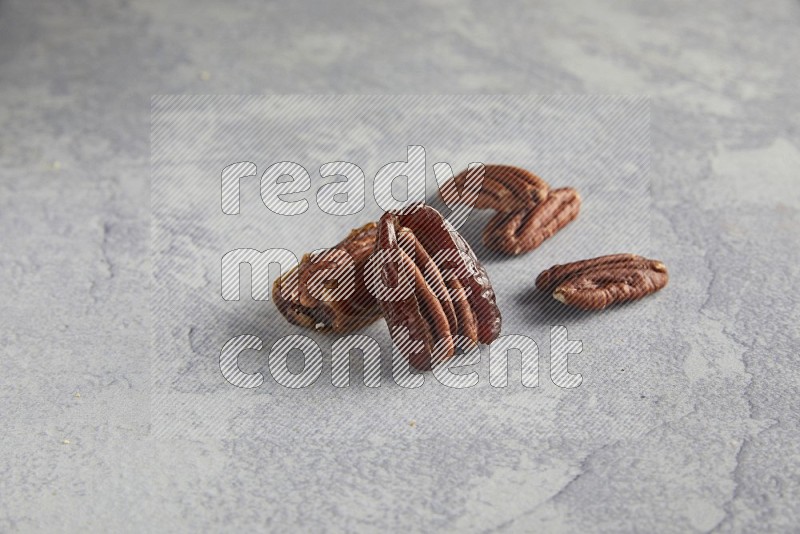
x: 450, y: 293
x: 504, y: 188
x: 524, y: 230
x: 310, y: 295
x: 599, y: 282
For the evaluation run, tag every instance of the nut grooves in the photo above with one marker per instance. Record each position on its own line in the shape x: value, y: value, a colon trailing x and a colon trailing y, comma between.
x: 597, y: 283
x: 524, y: 230
x: 294, y: 292
x: 528, y: 211
x: 417, y: 272
x: 451, y: 292
x: 505, y: 188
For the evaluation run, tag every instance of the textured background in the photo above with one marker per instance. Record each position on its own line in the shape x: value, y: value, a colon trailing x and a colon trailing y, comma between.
x: 718, y: 384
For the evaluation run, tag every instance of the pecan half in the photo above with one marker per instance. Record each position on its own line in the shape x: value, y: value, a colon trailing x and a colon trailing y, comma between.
x: 307, y: 295
x: 524, y: 230
x: 600, y: 282
x: 451, y: 293
x: 504, y: 188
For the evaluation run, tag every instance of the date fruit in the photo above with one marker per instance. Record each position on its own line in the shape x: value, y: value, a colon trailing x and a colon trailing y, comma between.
x: 298, y: 293
x: 449, y: 292
x: 524, y: 230
x: 600, y: 282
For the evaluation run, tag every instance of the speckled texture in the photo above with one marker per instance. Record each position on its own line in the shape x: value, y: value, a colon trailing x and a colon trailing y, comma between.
x: 718, y: 449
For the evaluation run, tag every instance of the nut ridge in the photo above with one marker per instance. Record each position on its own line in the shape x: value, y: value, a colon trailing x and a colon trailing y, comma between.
x: 597, y: 283
x: 462, y: 303
x: 524, y: 230
x: 294, y: 292
x: 505, y: 188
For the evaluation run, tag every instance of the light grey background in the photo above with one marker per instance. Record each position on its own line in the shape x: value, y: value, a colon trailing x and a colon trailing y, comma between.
x: 598, y: 144
x: 719, y: 449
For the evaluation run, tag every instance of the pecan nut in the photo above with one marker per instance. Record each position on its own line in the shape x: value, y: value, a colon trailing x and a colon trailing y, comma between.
x: 524, y: 230
x: 505, y: 188
x: 326, y: 291
x: 600, y: 282
x: 449, y: 293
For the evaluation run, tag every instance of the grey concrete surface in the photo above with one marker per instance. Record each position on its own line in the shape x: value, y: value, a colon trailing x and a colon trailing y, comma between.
x: 699, y: 433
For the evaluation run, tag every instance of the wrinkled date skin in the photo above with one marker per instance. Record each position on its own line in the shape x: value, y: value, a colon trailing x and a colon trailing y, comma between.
x: 294, y: 293
x: 600, y: 282
x: 451, y: 292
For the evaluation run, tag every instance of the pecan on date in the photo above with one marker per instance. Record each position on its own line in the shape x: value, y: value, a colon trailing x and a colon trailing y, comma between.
x: 524, y: 230
x: 310, y: 295
x: 505, y: 188
x: 449, y: 292
x: 597, y: 283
